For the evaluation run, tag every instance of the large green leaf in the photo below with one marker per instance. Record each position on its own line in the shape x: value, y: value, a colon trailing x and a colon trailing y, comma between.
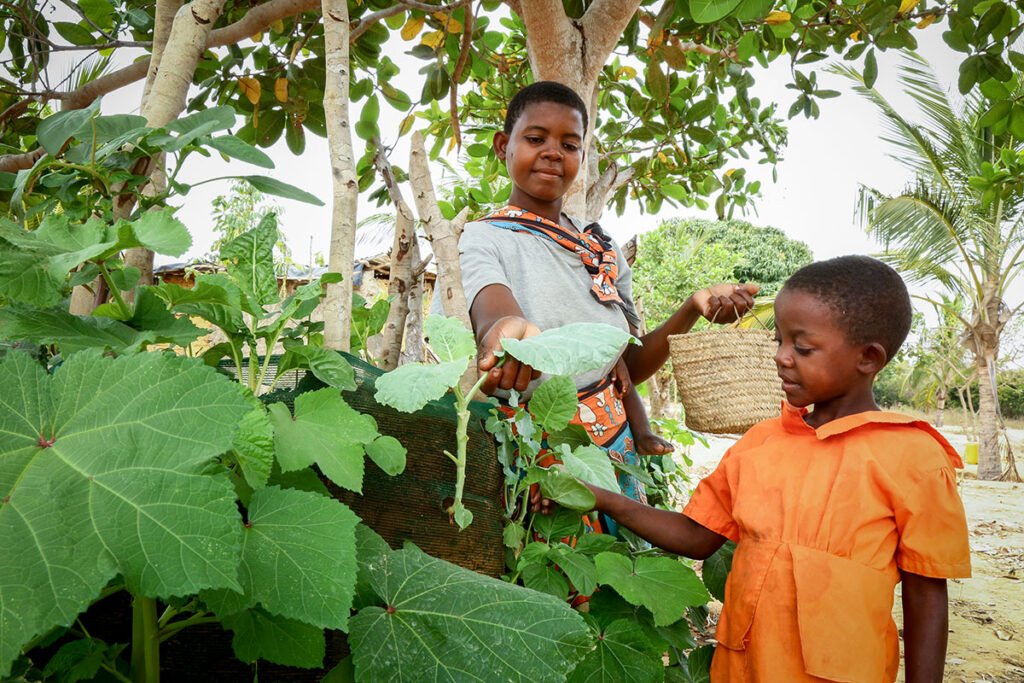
x: 553, y: 403
x: 623, y: 655
x: 161, y: 232
x: 208, y: 120
x: 449, y: 338
x: 243, y: 151
x: 708, y: 11
x: 214, y: 298
x: 410, y: 387
x: 260, y: 635
x: 327, y: 431
x: 663, y: 585
x: 330, y: 367
x: 592, y: 465
x: 105, y: 469
x: 151, y: 315
x: 445, y: 623
x: 389, y: 454
x: 298, y: 558
x: 571, y: 349
x: 566, y: 490
x: 71, y: 333
x: 579, y: 568
x: 25, y: 277
x: 715, y: 570
x: 250, y: 259
x: 53, y: 131
x: 268, y: 185
x: 254, y: 447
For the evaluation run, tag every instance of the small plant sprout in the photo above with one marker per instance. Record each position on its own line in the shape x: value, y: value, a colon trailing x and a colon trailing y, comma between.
x: 562, y: 352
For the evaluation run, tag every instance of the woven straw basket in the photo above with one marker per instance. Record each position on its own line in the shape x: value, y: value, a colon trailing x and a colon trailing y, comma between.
x: 726, y: 378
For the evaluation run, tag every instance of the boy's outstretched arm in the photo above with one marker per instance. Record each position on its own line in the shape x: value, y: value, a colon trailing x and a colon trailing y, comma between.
x: 925, y: 627
x: 671, y: 531
x: 496, y: 315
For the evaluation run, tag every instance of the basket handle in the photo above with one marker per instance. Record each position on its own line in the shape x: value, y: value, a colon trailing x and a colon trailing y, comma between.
x: 750, y: 314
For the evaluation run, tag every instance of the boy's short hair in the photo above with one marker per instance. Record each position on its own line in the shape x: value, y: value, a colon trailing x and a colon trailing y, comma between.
x: 544, y: 91
x: 869, y: 298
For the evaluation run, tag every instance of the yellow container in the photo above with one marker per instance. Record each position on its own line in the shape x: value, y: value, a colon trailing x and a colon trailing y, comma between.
x: 971, y: 453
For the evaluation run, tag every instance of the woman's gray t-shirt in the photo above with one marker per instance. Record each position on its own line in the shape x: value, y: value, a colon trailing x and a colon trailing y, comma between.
x: 549, y: 282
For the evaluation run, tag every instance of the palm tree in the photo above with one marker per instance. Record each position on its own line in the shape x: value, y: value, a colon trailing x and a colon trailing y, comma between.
x: 959, y: 223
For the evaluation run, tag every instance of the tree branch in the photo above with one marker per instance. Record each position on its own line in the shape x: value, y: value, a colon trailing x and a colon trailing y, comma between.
x: 453, y: 92
x: 12, y: 163
x: 552, y: 34
x: 602, y: 26
x: 400, y: 280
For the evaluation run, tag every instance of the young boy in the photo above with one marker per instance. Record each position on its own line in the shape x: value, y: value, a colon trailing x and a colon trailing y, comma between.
x: 530, y: 267
x: 830, y: 508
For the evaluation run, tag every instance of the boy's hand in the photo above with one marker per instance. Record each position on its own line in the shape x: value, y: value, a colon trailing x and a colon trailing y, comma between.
x: 620, y: 376
x: 512, y: 373
x: 724, y: 303
x: 538, y: 503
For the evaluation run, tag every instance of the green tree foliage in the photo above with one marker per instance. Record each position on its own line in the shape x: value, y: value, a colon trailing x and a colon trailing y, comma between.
x: 683, y: 255
x: 959, y: 223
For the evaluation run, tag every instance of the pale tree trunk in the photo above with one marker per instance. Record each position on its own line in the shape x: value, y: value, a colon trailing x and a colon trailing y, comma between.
x: 402, y: 261
x: 990, y: 464
x: 412, y: 351
x: 338, y: 303
x: 573, y: 52
x: 185, y: 40
x: 444, y: 240
x: 940, y: 406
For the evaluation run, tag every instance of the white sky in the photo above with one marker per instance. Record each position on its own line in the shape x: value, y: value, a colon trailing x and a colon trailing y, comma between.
x: 813, y: 201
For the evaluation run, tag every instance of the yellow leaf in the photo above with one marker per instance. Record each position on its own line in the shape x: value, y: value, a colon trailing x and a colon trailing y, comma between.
x: 927, y: 20
x: 251, y: 87
x: 412, y: 28
x: 855, y: 36
x: 777, y: 18
x: 451, y: 145
x: 277, y: 26
x: 483, y: 88
x: 281, y: 89
x: 662, y: 158
x: 406, y: 125
x: 626, y: 72
x: 433, y: 39
x: 730, y: 171
x: 907, y: 5
x: 256, y: 37
x: 450, y: 23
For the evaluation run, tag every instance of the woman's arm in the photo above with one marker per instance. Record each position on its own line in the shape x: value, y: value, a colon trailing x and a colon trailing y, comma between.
x: 925, y: 627
x: 722, y: 303
x: 496, y: 315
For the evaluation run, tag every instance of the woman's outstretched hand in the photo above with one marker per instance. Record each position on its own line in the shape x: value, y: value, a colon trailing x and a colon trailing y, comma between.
x: 511, y: 374
x: 725, y: 303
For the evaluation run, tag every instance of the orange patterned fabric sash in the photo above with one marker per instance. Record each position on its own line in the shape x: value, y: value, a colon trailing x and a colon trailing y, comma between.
x: 592, y: 245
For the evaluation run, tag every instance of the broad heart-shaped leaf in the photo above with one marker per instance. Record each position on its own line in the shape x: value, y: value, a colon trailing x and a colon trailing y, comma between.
x: 243, y: 151
x: 580, y: 569
x: 330, y: 367
x: 553, y: 403
x: 53, y: 131
x: 592, y: 465
x: 623, y: 655
x: 159, y: 231
x: 663, y: 585
x: 389, y: 454
x: 565, y: 490
x: 71, y: 333
x: 105, y: 468
x: 298, y: 559
x: 260, y: 635
x: 446, y: 623
x: 151, y: 315
x: 213, y: 297
x: 250, y: 259
x: 254, y: 447
x: 571, y: 349
x: 715, y: 570
x: 268, y: 185
x: 325, y: 431
x: 449, y: 338
x: 410, y: 387
x: 708, y: 11
x: 25, y: 277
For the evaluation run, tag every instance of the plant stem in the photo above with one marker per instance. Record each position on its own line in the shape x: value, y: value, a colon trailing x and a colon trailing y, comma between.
x: 462, y: 437
x: 145, y: 641
x: 200, y: 618
x: 122, y: 306
x: 270, y: 347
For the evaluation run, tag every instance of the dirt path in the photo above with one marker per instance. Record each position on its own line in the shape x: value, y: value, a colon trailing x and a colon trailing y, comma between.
x: 986, y: 620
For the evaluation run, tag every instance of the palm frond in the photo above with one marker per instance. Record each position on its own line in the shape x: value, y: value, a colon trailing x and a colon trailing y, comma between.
x: 923, y: 271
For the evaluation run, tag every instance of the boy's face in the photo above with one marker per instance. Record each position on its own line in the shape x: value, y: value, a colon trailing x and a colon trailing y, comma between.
x: 543, y: 154
x: 816, y: 361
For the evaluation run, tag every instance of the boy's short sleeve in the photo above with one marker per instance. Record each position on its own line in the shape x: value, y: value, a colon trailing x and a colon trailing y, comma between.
x: 481, y: 260
x: 932, y: 526
x: 711, y: 504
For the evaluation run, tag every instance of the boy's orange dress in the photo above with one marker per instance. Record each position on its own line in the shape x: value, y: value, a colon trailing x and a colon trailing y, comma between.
x: 825, y: 520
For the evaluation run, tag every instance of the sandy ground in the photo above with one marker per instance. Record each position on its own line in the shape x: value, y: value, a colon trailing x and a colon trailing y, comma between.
x: 986, y: 621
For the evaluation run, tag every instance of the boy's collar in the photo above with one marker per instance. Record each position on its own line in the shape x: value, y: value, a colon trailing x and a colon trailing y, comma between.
x: 793, y: 422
